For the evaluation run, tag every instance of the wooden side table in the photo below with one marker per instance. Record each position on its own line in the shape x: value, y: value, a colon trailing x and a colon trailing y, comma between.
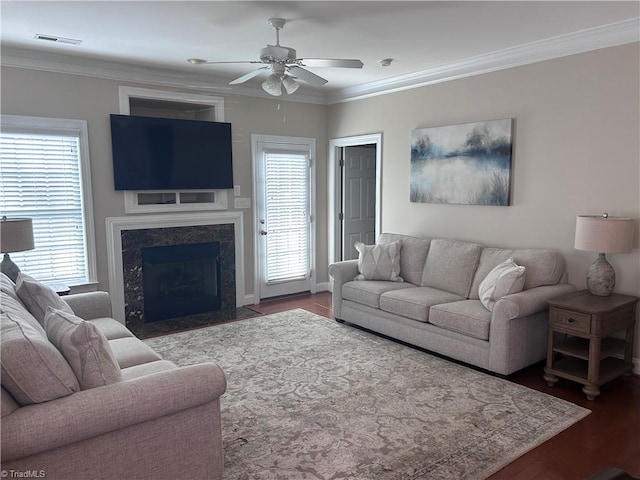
x: 581, y: 344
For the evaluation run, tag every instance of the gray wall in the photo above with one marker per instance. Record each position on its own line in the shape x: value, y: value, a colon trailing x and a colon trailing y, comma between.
x: 576, y: 149
x: 47, y: 94
x: 576, y: 152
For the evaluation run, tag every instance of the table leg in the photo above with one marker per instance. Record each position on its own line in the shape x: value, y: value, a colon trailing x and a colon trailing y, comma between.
x: 591, y: 389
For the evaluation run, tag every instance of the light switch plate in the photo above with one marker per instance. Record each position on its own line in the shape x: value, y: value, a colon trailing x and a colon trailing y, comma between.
x: 236, y: 190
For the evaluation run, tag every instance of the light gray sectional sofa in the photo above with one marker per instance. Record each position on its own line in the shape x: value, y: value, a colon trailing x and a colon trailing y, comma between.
x: 82, y: 398
x: 437, y: 307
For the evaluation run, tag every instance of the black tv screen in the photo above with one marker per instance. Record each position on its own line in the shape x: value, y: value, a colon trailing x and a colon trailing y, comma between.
x: 170, y: 154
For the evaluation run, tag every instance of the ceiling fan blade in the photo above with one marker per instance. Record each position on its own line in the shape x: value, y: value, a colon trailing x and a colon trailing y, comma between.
x: 247, y: 76
x: 307, y: 76
x: 331, y: 62
x: 201, y: 61
x: 243, y: 61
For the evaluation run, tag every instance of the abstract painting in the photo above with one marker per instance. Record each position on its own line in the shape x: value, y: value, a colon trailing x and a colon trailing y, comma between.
x: 466, y: 164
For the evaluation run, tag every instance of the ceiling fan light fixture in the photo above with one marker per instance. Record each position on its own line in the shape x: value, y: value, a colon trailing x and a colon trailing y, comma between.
x: 273, y: 85
x: 281, y: 60
x: 290, y: 84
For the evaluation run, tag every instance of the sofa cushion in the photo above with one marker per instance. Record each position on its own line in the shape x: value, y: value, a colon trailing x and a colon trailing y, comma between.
x: 379, y: 262
x: 11, y: 304
x: 414, y: 303
x: 8, y: 287
x: 450, y: 266
x: 37, y: 296
x: 130, y: 351
x: 111, y: 328
x: 368, y: 293
x: 468, y: 317
x: 505, y: 278
x: 84, y: 347
x: 413, y: 255
x: 544, y: 266
x: 33, y: 370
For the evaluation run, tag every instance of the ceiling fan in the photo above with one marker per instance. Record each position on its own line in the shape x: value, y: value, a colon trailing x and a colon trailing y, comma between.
x: 285, y: 67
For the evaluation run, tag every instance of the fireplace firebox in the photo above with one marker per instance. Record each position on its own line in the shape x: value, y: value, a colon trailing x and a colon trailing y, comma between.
x: 180, y: 280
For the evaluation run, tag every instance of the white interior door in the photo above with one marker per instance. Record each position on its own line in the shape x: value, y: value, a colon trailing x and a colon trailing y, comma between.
x: 359, y: 198
x: 284, y: 216
x: 336, y: 213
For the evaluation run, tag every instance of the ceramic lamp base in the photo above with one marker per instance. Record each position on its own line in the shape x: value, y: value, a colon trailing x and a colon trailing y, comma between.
x: 9, y: 268
x: 601, y: 278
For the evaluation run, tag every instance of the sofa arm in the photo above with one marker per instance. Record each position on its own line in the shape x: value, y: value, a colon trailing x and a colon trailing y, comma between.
x: 341, y: 273
x: 518, y: 332
x: 89, y: 305
x: 36, y: 428
x: 529, y: 302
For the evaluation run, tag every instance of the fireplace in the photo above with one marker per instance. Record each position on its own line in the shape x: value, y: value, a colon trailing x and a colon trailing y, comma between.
x: 178, y: 277
x: 180, y: 280
x: 127, y: 235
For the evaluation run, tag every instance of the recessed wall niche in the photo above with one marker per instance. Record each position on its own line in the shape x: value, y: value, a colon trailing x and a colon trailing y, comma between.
x: 166, y: 104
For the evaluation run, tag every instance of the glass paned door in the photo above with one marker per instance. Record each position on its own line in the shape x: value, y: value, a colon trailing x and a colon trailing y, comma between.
x: 284, y: 218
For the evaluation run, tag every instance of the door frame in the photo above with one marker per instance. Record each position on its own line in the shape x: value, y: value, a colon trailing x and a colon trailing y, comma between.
x: 256, y: 139
x: 334, y: 194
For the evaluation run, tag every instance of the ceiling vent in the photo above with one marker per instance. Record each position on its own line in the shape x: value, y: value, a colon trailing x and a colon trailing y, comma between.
x: 55, y: 39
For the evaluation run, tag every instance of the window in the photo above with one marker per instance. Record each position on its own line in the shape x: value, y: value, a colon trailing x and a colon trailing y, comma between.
x: 44, y: 175
x: 287, y: 214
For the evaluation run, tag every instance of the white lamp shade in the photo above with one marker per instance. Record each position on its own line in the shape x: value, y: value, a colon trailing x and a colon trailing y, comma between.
x: 604, y: 234
x: 290, y: 85
x: 273, y: 85
x: 16, y: 235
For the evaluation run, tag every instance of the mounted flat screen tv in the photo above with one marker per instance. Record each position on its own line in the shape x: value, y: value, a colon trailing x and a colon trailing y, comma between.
x: 170, y: 154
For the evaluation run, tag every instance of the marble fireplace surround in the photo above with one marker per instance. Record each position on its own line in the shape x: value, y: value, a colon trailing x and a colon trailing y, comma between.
x: 116, y: 225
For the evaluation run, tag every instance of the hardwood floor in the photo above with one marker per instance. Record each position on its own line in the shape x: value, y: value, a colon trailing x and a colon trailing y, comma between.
x: 608, y: 437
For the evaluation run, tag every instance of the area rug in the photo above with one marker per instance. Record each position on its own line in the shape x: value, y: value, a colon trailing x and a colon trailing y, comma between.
x: 308, y: 398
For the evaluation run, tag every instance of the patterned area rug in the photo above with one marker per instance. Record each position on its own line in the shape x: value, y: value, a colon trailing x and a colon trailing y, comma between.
x: 308, y: 398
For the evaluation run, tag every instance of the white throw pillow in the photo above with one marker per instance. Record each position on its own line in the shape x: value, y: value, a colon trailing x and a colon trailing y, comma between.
x: 37, y: 296
x: 84, y: 347
x: 33, y: 370
x: 379, y: 262
x: 505, y: 278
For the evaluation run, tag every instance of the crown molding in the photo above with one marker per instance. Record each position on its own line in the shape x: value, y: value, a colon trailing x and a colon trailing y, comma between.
x: 147, y: 75
x: 619, y: 33
x: 614, y: 34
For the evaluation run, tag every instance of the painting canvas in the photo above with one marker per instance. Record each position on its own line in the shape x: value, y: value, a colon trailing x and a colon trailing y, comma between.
x: 468, y: 164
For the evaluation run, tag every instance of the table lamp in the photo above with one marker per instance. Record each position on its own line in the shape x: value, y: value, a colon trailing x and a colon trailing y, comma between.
x: 16, y: 235
x: 603, y: 234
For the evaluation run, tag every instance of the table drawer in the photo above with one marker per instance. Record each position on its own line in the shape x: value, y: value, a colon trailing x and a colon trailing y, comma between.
x: 568, y: 320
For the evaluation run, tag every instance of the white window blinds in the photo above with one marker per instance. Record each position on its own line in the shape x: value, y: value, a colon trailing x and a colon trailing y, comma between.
x: 287, y: 212
x: 40, y: 178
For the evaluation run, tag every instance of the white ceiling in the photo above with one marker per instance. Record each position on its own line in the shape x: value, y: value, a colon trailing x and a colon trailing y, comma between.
x: 428, y: 40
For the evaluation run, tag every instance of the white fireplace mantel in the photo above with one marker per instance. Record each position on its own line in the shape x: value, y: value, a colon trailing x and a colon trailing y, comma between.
x: 116, y: 225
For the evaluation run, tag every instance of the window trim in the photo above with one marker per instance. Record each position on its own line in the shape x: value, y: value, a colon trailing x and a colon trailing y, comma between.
x: 66, y: 126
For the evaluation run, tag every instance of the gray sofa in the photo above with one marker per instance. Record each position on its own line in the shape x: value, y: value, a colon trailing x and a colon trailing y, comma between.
x: 117, y: 412
x: 437, y: 307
